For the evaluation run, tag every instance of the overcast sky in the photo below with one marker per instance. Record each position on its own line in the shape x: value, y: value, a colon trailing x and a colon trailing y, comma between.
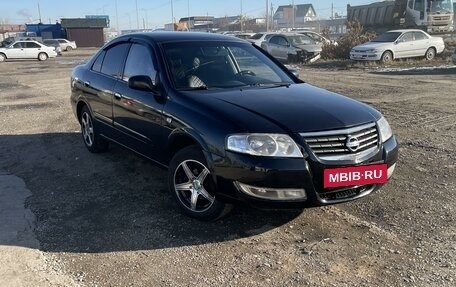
x: 154, y: 12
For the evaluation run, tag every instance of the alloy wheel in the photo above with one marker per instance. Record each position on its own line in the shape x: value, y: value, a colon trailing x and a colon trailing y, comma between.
x: 193, y: 186
x: 87, y: 129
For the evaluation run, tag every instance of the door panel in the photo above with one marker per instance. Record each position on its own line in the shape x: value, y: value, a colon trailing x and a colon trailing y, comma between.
x: 137, y: 114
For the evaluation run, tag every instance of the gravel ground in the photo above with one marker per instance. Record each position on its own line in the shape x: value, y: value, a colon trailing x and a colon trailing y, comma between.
x: 108, y: 220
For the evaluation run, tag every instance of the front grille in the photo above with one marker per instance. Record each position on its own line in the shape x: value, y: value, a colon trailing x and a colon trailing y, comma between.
x: 344, y: 142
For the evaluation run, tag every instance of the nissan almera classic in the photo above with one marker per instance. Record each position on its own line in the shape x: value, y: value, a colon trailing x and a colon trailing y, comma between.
x: 230, y: 124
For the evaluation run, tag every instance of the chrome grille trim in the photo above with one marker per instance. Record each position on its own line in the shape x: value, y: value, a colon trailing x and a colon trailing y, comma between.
x: 332, y: 146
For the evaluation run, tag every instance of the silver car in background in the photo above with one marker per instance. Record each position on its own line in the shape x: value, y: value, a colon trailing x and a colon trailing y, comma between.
x: 293, y: 48
x: 397, y: 44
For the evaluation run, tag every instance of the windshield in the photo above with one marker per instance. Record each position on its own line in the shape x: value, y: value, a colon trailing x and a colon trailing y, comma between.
x: 440, y: 6
x: 387, y: 37
x: 256, y: 36
x: 301, y: 40
x: 206, y: 65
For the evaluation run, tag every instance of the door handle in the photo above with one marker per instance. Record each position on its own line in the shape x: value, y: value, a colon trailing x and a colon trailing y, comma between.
x: 117, y: 96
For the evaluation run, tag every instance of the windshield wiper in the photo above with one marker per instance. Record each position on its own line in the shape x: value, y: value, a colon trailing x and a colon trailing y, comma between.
x: 278, y: 84
x: 199, y: 88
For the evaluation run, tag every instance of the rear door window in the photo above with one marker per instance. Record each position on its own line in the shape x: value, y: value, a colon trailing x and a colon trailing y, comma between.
x: 114, y: 60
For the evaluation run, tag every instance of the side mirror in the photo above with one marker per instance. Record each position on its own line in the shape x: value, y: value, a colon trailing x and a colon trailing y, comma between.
x: 142, y: 83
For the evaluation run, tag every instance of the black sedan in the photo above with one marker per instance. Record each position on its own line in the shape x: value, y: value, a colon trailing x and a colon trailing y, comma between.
x: 230, y: 123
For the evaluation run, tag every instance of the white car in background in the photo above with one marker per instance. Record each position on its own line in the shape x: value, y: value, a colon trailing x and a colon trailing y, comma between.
x: 259, y: 38
x: 27, y: 50
x: 67, y: 45
x: 397, y: 44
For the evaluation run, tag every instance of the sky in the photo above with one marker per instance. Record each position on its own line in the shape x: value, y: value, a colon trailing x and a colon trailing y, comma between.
x: 152, y: 13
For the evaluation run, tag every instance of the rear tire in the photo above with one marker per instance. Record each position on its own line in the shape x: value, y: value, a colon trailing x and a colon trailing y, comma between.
x: 387, y: 57
x: 92, y: 140
x: 192, y: 185
x: 2, y: 57
x: 430, y: 54
x: 42, y: 56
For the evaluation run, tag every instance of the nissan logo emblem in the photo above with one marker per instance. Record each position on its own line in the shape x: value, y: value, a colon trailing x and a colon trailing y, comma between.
x: 352, y: 143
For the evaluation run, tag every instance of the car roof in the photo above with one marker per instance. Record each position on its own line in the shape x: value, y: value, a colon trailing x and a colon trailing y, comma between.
x: 162, y: 37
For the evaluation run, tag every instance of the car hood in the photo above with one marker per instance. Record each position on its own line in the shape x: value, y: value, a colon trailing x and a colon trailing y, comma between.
x: 372, y: 45
x: 309, y: 48
x: 297, y: 108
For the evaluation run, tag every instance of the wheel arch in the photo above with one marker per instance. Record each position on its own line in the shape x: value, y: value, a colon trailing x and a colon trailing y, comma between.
x: 79, y: 107
x: 182, y: 138
x: 391, y: 51
x: 6, y: 57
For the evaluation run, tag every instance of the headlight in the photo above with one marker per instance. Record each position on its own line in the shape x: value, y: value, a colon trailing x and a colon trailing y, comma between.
x: 384, y: 129
x: 273, y: 145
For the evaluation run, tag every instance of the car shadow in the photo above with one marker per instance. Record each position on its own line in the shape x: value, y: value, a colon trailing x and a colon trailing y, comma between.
x: 115, y: 201
x: 417, y: 71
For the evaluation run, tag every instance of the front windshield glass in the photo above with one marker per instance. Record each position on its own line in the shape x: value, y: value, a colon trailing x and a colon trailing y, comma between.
x: 440, y: 6
x: 387, y: 37
x: 206, y: 65
x: 301, y: 40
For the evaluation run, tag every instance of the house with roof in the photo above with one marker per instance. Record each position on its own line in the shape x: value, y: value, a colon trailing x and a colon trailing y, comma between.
x: 283, y: 17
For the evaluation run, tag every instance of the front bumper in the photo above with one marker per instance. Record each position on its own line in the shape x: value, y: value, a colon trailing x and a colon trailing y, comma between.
x: 365, y: 56
x: 290, y: 174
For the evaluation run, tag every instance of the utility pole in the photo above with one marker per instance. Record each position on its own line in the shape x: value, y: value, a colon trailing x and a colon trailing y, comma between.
x: 188, y: 15
x: 293, y: 15
x: 267, y: 16
x: 242, y: 22
x: 332, y: 11
x: 137, y: 15
x: 39, y: 12
x: 272, y: 15
x: 172, y: 14
x: 117, y: 20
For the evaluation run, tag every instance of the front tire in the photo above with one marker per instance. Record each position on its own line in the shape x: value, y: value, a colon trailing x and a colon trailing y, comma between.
x: 2, y: 57
x: 92, y: 140
x: 430, y: 54
x: 387, y: 57
x: 42, y: 56
x: 191, y: 183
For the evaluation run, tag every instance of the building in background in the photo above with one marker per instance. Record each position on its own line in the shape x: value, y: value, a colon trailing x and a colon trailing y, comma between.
x: 197, y: 23
x: 46, y: 31
x: 86, y: 32
x: 283, y: 17
x: 7, y: 30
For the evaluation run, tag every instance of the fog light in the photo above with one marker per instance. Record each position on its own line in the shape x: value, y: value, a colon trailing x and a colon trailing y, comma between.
x: 273, y: 193
x: 391, y: 170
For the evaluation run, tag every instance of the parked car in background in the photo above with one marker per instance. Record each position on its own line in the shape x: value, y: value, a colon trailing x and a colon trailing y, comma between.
x: 67, y: 45
x: 318, y: 38
x: 259, y: 38
x: 242, y: 35
x: 292, y: 48
x: 53, y: 43
x: 27, y: 50
x: 397, y: 44
x: 229, y: 123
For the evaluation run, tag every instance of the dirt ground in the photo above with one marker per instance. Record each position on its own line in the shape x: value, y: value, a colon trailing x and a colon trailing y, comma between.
x: 72, y: 218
